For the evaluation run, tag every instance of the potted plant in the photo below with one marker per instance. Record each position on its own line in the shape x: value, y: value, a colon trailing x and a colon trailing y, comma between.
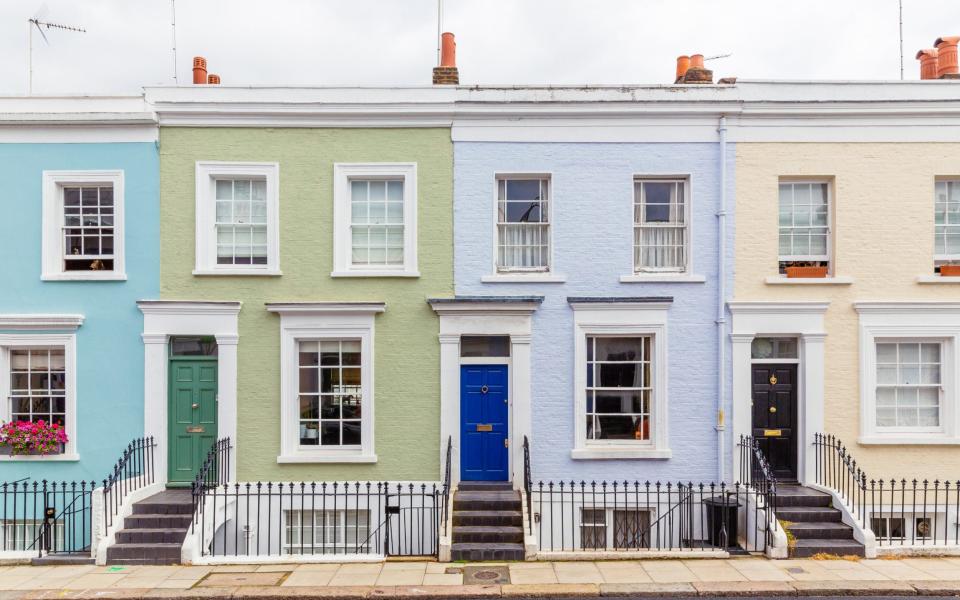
x: 950, y: 270
x: 20, y: 438
x: 807, y: 271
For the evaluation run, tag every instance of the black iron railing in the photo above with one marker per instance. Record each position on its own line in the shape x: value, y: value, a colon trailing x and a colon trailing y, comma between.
x: 528, y: 482
x: 319, y: 518
x: 133, y: 471
x: 573, y: 516
x: 214, y: 471
x: 899, y: 511
x: 46, y: 517
x: 447, y: 489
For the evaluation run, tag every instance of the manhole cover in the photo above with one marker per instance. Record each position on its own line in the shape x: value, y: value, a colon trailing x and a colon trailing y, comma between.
x: 479, y: 575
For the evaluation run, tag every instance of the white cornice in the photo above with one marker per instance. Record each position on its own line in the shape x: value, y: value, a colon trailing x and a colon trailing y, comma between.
x: 906, y: 307
x: 778, y: 308
x: 188, y: 307
x: 40, y: 322
x: 322, y: 308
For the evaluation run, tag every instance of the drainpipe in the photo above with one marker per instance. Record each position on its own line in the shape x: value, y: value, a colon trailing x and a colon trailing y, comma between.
x: 721, y: 302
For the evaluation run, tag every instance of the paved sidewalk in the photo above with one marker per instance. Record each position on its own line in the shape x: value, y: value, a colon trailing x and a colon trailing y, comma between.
x: 734, y: 576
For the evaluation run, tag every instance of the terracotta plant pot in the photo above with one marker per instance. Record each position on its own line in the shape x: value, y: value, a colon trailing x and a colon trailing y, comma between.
x: 950, y: 271
x: 806, y: 272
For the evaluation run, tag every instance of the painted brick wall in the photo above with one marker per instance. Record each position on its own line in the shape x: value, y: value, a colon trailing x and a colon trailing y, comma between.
x: 406, y: 348
x: 593, y: 237
x: 884, y: 196
x: 109, y: 350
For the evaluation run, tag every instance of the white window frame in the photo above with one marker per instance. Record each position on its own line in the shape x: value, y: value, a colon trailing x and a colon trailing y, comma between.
x: 53, y: 220
x: 68, y: 341
x: 623, y: 319
x: 207, y: 173
x: 684, y: 181
x: 828, y: 257
x: 317, y: 322
x: 343, y: 173
x: 910, y: 322
x: 508, y: 274
x: 330, y: 548
x: 940, y: 259
x: 939, y: 429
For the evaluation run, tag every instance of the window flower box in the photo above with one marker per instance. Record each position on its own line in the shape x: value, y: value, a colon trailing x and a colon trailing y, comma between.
x: 950, y: 270
x: 26, y: 438
x: 806, y: 272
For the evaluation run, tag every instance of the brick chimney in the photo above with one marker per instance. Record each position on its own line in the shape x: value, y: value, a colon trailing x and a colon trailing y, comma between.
x: 691, y: 70
x: 447, y: 73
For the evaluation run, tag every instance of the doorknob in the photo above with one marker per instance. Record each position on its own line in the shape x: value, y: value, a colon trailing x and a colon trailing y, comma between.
x: 194, y: 405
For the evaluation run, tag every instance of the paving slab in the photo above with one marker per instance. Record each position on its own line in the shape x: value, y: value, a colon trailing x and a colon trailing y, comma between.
x: 577, y: 572
x: 445, y: 579
x: 395, y: 577
x: 308, y: 578
x: 647, y: 590
x: 564, y: 590
x: 854, y: 588
x: 544, y: 574
x: 745, y: 588
x: 623, y: 572
x: 276, y: 568
x: 235, y: 579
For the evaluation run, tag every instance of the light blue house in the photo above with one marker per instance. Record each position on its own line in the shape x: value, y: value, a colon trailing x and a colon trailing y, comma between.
x: 593, y: 257
x: 79, y: 239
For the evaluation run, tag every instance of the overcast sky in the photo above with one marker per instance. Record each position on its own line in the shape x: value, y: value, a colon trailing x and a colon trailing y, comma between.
x: 375, y: 42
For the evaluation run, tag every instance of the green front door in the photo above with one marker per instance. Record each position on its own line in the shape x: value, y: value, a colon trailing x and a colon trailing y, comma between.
x: 193, y: 416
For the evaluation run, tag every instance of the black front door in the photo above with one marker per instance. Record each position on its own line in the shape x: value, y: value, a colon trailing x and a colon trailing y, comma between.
x: 775, y: 417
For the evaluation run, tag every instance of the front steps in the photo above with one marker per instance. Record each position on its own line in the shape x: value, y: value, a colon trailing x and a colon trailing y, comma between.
x: 816, y: 526
x: 487, y: 522
x: 154, y: 533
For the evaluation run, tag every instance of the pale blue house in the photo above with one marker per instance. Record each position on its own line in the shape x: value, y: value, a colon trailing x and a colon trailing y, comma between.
x: 80, y: 245
x: 593, y: 256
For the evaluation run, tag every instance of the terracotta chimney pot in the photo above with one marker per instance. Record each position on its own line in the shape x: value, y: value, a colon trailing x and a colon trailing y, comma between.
x: 199, y: 70
x: 446, y: 73
x: 928, y: 63
x: 213, y: 79
x: 683, y: 63
x: 947, y: 55
x: 696, y: 61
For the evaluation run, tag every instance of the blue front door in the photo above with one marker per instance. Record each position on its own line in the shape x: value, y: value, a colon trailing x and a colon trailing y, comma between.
x: 484, y: 455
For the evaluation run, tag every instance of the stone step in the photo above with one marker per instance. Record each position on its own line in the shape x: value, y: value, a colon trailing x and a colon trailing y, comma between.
x: 480, y: 501
x: 789, y: 496
x: 150, y: 536
x: 162, y: 553
x: 486, y: 552
x: 481, y: 486
x: 807, y: 548
x: 488, y: 517
x: 821, y: 531
x: 147, y: 507
x: 62, y: 560
x: 809, y: 514
x: 155, y: 521
x: 485, y: 534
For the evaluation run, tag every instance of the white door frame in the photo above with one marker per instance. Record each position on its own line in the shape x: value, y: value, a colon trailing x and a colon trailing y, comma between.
x: 486, y: 316
x: 163, y: 319
x: 803, y: 320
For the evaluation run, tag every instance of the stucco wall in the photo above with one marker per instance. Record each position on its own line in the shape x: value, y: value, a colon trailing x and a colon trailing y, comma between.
x: 109, y: 350
x: 592, y: 192
x: 883, y: 239
x: 406, y: 348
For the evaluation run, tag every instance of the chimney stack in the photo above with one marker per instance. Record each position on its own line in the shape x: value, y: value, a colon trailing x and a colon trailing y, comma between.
x: 928, y: 63
x: 213, y: 79
x: 690, y: 69
x: 447, y: 73
x: 947, y: 57
x: 199, y: 70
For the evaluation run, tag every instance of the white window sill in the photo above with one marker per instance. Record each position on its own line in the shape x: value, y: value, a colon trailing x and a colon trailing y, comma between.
x: 937, y: 279
x: 524, y: 278
x: 238, y: 272
x: 662, y: 278
x: 67, y: 457
x: 919, y: 439
x: 326, y: 458
x: 375, y: 273
x: 84, y: 276
x: 597, y: 453
x: 835, y: 280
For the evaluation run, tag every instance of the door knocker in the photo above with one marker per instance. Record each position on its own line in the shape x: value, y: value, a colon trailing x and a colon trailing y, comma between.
x: 484, y: 389
x: 773, y: 380
x: 773, y: 409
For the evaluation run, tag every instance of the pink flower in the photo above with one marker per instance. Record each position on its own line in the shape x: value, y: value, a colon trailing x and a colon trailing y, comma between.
x: 26, y: 437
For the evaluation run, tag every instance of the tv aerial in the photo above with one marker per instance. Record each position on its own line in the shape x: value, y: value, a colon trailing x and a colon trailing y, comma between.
x: 36, y: 23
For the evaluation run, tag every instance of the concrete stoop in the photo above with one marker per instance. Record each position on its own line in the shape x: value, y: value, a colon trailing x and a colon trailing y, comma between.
x: 154, y: 533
